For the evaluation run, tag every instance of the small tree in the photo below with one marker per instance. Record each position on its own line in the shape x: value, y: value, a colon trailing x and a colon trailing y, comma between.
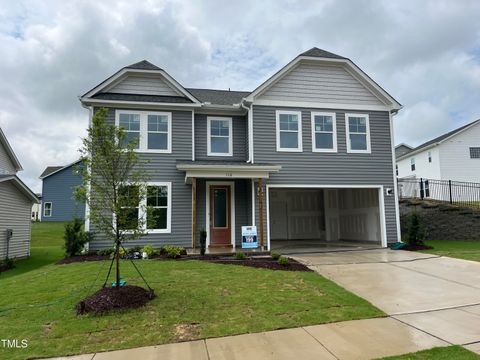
x: 416, y: 232
x: 114, y: 181
x: 74, y: 236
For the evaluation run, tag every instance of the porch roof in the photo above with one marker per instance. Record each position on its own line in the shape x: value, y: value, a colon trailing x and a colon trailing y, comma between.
x: 220, y: 169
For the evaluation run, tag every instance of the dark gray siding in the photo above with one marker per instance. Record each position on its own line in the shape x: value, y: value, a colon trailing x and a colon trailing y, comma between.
x: 239, y: 124
x: 14, y: 214
x: 59, y: 190
x: 339, y: 168
x: 162, y: 167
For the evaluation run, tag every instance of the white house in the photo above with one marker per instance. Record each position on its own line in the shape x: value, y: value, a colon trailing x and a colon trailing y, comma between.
x: 451, y: 156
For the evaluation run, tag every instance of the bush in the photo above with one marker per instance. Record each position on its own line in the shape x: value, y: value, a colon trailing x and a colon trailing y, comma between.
x: 282, y: 260
x: 240, y: 255
x: 105, y: 252
x: 75, y: 238
x: 7, y: 264
x: 275, y: 255
x: 416, y: 234
x: 172, y: 252
x: 123, y: 252
x: 150, y: 251
x: 203, y: 241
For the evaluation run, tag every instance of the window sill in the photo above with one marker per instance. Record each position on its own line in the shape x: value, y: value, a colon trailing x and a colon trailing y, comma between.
x: 324, y: 150
x: 289, y: 150
x: 141, y: 151
x: 220, y: 154
x: 359, y: 151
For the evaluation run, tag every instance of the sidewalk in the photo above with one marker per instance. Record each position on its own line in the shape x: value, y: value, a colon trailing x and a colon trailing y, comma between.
x: 359, y: 339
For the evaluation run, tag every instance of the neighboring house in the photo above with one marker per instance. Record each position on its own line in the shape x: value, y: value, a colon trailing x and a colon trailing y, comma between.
x: 402, y: 149
x: 37, y: 208
x: 58, y: 199
x: 451, y: 156
x: 16, y: 201
x: 306, y: 157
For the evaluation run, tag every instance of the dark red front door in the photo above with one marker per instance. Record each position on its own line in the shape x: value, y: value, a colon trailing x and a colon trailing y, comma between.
x: 220, y: 215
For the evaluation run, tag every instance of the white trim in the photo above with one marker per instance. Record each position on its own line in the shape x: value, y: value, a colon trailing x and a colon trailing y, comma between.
x: 230, y: 136
x: 168, y: 230
x: 334, y: 132
x: 317, y: 105
x: 253, y: 201
x: 232, y: 209
x: 193, y: 135
x: 143, y: 143
x: 10, y: 152
x: 314, y: 186
x: 299, y: 147
x: 395, y: 183
x: 250, y: 134
x: 44, y: 207
x: 347, y: 131
x: 140, y: 104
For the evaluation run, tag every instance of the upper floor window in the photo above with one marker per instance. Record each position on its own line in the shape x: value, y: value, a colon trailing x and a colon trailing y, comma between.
x: 475, y: 153
x: 219, y: 136
x: 412, y: 164
x: 358, y: 133
x: 47, y: 209
x: 289, y: 130
x: 152, y: 131
x: 429, y: 156
x: 324, y: 132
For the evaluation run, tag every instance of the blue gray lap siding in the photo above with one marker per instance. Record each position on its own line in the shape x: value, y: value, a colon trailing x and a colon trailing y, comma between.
x: 341, y: 168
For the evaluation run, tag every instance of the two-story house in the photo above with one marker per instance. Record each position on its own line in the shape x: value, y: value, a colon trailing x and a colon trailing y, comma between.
x: 58, y: 188
x: 16, y: 201
x: 307, y: 157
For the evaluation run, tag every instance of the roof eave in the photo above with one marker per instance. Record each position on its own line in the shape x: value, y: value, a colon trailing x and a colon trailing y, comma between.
x: 10, y: 152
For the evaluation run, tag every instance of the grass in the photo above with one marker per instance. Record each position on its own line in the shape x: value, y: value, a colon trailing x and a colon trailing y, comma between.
x: 468, y: 250
x: 209, y: 300
x: 439, y: 353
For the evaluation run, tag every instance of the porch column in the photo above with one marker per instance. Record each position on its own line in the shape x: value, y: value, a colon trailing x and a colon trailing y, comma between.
x: 260, y: 210
x: 194, y: 211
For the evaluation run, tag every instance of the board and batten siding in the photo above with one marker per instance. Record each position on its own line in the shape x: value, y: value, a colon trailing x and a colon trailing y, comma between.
x: 162, y: 168
x: 6, y: 164
x: 320, y: 83
x: 14, y: 214
x: 59, y: 189
x: 145, y: 85
x: 239, y: 133
x: 341, y: 168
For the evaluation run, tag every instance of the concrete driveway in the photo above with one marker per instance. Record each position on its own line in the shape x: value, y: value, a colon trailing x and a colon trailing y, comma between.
x: 437, y: 295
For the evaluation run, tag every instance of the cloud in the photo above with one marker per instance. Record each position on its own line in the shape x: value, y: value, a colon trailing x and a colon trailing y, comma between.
x: 426, y: 54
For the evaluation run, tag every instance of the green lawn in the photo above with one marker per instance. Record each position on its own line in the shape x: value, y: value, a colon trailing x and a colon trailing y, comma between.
x: 468, y: 250
x: 440, y: 353
x: 209, y: 300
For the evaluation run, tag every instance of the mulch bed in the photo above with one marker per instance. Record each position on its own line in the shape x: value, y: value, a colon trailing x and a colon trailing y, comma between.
x: 109, y: 298
x: 417, y: 247
x: 82, y: 258
x: 258, y: 262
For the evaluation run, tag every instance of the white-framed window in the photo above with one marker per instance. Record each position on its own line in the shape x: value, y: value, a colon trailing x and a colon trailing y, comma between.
x: 289, y: 131
x: 429, y: 156
x: 475, y: 153
x: 47, y: 209
x: 324, y: 132
x: 412, y: 164
x: 151, y: 207
x: 219, y: 136
x: 151, y: 129
x: 358, y: 133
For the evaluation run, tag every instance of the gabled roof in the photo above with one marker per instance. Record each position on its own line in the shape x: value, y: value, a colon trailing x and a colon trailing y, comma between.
x: 219, y: 97
x: 316, y: 52
x: 10, y: 152
x: 50, y: 170
x: 143, y: 65
x: 440, y: 139
x: 20, y: 185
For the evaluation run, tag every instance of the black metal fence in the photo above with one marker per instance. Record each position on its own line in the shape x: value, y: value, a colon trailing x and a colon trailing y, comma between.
x: 454, y: 192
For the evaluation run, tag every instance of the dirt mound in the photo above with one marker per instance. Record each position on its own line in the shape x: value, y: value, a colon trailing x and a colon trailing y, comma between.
x: 109, y: 298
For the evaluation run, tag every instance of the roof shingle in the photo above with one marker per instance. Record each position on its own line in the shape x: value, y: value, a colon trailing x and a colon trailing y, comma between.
x: 218, y: 97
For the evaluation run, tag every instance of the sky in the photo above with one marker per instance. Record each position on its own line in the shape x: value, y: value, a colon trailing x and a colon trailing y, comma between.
x: 425, y: 53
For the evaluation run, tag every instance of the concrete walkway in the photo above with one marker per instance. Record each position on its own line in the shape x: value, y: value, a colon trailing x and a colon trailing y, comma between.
x: 432, y: 301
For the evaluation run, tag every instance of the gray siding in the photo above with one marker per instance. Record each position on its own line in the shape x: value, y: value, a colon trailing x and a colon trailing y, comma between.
x: 6, y: 165
x: 144, y: 84
x: 14, y: 214
x: 341, y: 168
x: 59, y: 190
x: 162, y: 167
x: 240, y: 152
x: 315, y: 83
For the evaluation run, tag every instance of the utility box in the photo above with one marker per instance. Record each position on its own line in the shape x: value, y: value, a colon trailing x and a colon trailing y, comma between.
x: 9, y: 234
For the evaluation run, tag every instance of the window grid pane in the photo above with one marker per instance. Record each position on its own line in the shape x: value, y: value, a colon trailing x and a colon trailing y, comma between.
x: 157, y: 203
x: 220, y: 136
x: 288, y: 128
x: 475, y: 152
x: 357, y: 127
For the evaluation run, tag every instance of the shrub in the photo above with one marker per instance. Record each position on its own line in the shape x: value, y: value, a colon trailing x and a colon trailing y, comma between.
x: 203, y: 241
x: 75, y: 238
x: 7, y: 264
x: 123, y: 252
x: 134, y: 249
x: 150, y: 250
x: 172, y: 252
x: 105, y: 252
x: 275, y: 255
x: 416, y: 234
x: 282, y: 260
x: 240, y: 255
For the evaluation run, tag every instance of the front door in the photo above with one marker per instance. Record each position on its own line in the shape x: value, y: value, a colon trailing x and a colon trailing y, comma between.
x: 220, y: 215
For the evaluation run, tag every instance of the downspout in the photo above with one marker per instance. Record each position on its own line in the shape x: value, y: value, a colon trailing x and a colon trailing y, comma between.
x: 250, y: 130
x: 193, y: 134
x: 395, y: 183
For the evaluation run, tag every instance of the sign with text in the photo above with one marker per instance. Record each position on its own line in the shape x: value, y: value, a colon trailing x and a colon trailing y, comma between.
x: 249, y: 237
